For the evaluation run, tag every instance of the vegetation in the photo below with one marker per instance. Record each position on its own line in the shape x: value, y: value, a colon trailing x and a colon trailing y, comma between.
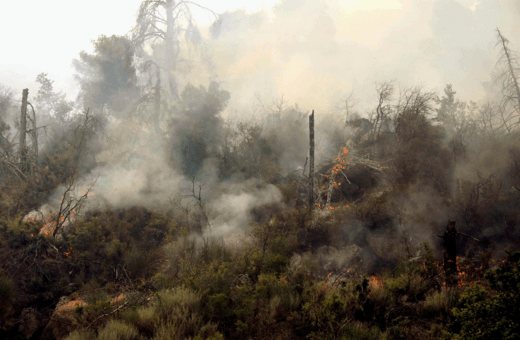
x: 201, y: 227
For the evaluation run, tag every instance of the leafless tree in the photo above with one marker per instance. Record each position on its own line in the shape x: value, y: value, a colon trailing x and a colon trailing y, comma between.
x: 507, y: 77
x: 188, y: 198
x: 347, y: 105
x: 69, y: 204
x: 385, y: 91
x: 171, y: 23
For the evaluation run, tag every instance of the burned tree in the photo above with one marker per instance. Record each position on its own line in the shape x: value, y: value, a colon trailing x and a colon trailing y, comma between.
x: 23, y: 131
x: 311, y: 156
x: 508, y: 77
x: 450, y: 251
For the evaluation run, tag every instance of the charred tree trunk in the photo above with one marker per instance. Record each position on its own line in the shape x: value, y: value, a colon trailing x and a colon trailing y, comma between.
x: 311, y: 158
x: 450, y: 253
x: 23, y: 131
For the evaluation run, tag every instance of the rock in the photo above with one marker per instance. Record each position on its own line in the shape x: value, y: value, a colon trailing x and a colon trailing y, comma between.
x: 63, y: 321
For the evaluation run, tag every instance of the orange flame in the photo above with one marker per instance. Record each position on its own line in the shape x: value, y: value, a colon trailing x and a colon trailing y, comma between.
x: 376, y: 283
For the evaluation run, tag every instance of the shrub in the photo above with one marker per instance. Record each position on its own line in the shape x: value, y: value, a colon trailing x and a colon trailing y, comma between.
x: 409, y: 284
x: 81, y: 335
x: 323, y: 314
x: 485, y: 315
x: 7, y: 297
x: 441, y: 302
x: 177, y: 311
x: 118, y: 330
x: 140, y: 263
x: 6, y: 290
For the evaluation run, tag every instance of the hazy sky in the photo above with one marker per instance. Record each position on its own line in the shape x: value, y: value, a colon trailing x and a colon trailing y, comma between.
x: 44, y: 36
x: 312, y: 51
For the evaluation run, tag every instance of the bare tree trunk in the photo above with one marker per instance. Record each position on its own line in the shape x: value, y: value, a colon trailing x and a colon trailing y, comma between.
x: 510, y: 66
x: 157, y: 106
x: 169, y: 38
x: 450, y: 253
x: 311, y: 158
x: 23, y: 131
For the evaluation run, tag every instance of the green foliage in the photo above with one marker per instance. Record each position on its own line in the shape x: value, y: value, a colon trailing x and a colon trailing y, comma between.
x: 441, y: 302
x: 6, y: 289
x: 81, y: 335
x: 420, y: 156
x: 492, y: 315
x: 51, y: 103
x: 247, y: 153
x: 7, y: 299
x: 177, y: 312
x: 108, y: 77
x: 196, y: 127
x: 118, y: 330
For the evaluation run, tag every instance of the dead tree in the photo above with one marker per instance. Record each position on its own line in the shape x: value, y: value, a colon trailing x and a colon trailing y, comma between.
x: 450, y: 251
x: 508, y: 76
x: 384, y: 91
x: 311, y: 157
x: 23, y: 131
x: 347, y: 105
x: 170, y: 22
x: 70, y: 205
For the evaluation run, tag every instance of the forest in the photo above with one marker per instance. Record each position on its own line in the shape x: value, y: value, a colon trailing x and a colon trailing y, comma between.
x: 143, y: 209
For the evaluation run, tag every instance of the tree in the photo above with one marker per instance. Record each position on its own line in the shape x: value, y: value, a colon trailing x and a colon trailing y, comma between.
x: 420, y: 154
x: 383, y: 109
x: 452, y: 115
x: 196, y: 128
x: 170, y: 22
x: 108, y: 78
x: 48, y: 102
x: 508, y: 79
x: 6, y: 105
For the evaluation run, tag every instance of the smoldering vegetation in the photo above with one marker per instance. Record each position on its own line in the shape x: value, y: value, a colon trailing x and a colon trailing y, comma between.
x: 166, y: 202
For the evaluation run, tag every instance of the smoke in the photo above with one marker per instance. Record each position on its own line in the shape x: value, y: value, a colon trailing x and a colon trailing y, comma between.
x: 232, y: 206
x: 303, y: 56
x: 315, y: 52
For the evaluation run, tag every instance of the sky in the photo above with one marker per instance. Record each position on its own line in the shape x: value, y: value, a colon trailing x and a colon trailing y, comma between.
x: 312, y: 52
x: 50, y: 34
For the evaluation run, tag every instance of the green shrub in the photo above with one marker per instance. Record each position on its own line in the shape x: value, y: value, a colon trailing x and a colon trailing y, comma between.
x: 360, y: 331
x: 7, y: 297
x: 146, y: 319
x: 409, y: 284
x: 496, y: 315
x: 323, y: 314
x: 176, y: 310
x: 209, y: 332
x: 161, y: 281
x: 441, y: 302
x: 118, y: 330
x: 7, y: 294
x: 81, y: 335
x: 140, y: 263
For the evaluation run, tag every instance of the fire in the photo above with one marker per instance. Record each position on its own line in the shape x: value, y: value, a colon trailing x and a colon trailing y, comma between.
x: 376, y: 283
x: 48, y: 228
